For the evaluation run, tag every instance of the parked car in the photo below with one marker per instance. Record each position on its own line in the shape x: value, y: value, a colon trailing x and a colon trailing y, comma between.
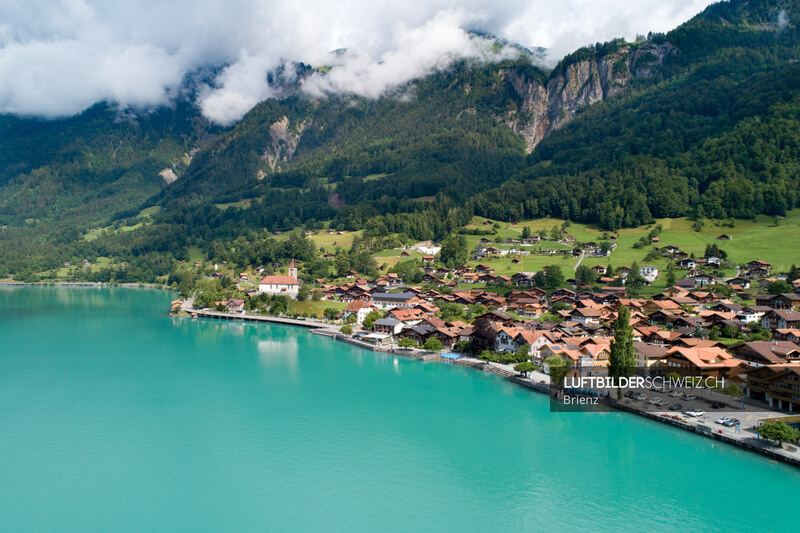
x: 676, y: 393
x: 640, y: 396
x: 657, y: 389
x: 722, y: 420
x: 676, y: 407
x: 695, y: 413
x: 688, y: 397
x: 732, y: 422
x: 717, y: 405
x: 662, y: 402
x: 629, y: 394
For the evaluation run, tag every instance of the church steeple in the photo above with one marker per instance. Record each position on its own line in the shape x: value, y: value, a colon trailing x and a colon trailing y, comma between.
x: 292, y: 269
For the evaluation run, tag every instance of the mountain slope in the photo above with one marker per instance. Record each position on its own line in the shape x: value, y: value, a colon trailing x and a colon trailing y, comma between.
x: 702, y: 120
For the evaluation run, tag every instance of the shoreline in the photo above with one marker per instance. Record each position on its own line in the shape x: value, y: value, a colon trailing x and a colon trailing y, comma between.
x: 84, y: 285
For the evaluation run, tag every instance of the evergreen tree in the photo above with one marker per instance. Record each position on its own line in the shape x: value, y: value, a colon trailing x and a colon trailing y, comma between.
x: 621, y: 360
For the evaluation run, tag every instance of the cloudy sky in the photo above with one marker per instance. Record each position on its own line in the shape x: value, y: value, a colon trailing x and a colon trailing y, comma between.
x: 58, y: 57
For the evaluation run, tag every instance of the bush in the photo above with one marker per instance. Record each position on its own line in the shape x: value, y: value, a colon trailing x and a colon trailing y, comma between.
x: 347, y: 329
x: 433, y: 344
x: 527, y: 366
x: 406, y: 343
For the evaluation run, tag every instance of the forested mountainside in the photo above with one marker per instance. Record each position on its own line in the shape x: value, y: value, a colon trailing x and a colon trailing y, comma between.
x: 703, y: 119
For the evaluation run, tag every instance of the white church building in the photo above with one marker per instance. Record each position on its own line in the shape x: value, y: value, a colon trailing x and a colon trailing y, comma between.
x: 281, y: 285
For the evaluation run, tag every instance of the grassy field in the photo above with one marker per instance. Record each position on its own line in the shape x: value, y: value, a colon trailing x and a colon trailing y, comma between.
x: 314, y: 308
x: 329, y: 242
x: 147, y: 215
x: 751, y: 239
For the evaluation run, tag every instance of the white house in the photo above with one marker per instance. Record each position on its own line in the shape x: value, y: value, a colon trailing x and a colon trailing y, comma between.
x: 650, y: 274
x: 360, y: 309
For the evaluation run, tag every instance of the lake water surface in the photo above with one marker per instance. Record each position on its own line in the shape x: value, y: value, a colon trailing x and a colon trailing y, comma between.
x: 116, y: 417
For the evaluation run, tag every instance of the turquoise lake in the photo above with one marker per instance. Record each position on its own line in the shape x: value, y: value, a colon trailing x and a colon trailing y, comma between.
x: 116, y: 417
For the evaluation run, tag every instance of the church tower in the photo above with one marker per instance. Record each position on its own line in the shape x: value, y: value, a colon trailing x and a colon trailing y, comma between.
x: 293, y: 269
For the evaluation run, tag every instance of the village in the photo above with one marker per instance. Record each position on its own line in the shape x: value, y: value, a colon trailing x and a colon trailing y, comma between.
x: 744, y: 329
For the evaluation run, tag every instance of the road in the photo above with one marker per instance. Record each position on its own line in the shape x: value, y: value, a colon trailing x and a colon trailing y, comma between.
x: 583, y: 254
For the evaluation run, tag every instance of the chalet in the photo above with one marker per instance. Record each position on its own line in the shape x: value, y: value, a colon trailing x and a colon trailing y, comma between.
x: 504, y: 339
x: 535, y: 339
x: 390, y: 326
x: 409, y: 317
x: 588, y: 315
x: 497, y: 317
x: 756, y: 273
x: 759, y: 264
x: 599, y: 269
x: 759, y: 353
x: 564, y: 300
x: 418, y: 334
x: 688, y: 264
x: 744, y: 283
x: 482, y: 269
x: 234, y: 306
x: 427, y: 258
x: 402, y: 300
x: 523, y: 279
x: 469, y: 277
x: 663, y: 305
x: 686, y: 283
x: 617, y: 291
x: 787, y: 300
x: 703, y: 279
x: 776, y: 384
x: 648, y: 357
x: 427, y: 308
x: 724, y: 237
x: 781, y: 319
x: 561, y: 293
x: 791, y: 335
x: 706, y: 362
x: 359, y: 309
x: 405, y: 253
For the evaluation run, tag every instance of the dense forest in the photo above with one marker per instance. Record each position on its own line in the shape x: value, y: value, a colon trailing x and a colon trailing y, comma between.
x: 709, y: 127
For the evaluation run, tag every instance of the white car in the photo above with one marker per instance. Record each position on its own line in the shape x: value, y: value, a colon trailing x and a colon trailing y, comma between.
x: 688, y: 396
x: 722, y: 420
x: 641, y: 396
x: 675, y: 393
x: 695, y: 413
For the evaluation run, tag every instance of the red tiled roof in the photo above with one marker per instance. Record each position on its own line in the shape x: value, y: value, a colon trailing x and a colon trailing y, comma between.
x: 279, y: 280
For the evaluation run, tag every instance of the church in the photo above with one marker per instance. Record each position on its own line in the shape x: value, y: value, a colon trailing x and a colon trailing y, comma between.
x: 281, y: 285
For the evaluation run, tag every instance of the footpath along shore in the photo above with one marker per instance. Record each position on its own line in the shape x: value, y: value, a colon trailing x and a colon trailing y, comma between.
x: 745, y: 439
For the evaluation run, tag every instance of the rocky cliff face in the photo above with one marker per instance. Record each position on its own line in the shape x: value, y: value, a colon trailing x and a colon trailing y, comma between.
x: 284, y: 139
x: 544, y: 108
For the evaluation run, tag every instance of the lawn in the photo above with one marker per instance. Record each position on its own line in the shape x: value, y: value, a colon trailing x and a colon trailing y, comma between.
x: 311, y: 307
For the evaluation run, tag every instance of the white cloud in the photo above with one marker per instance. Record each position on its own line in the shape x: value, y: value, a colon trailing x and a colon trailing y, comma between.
x: 58, y: 57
